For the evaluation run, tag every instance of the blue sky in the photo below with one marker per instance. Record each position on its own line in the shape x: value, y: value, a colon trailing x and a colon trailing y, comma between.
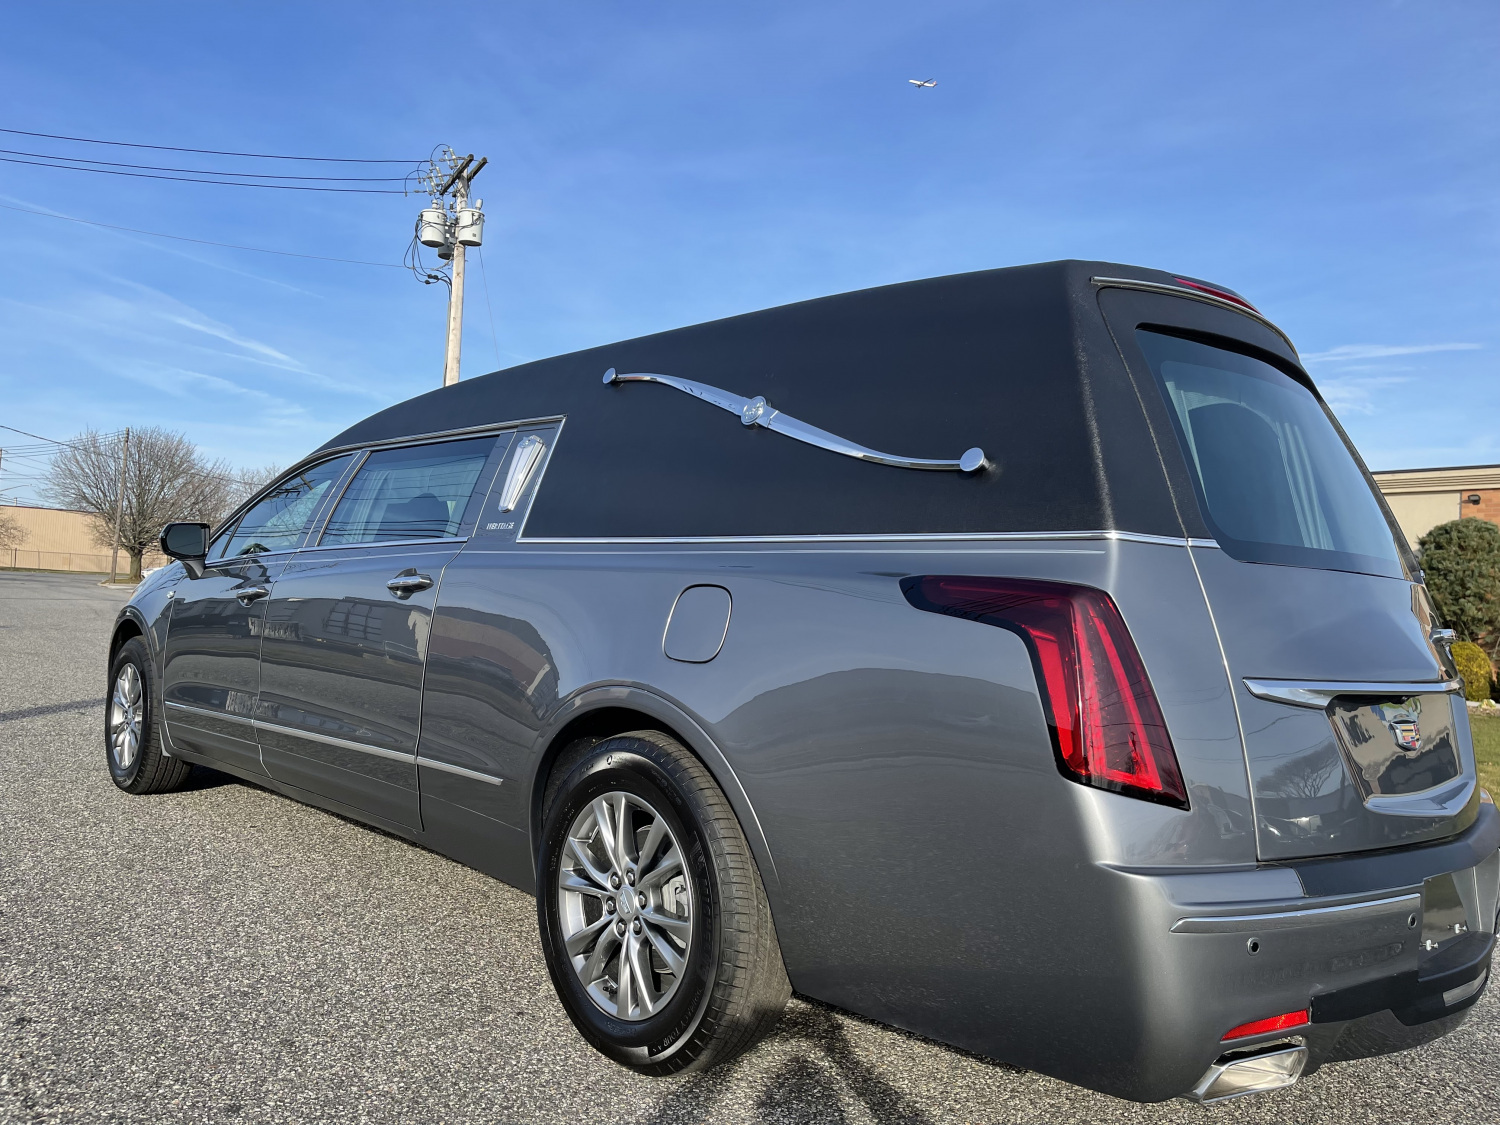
x: 658, y: 164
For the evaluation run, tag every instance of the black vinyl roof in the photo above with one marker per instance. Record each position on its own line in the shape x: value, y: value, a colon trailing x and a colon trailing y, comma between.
x: 1017, y: 361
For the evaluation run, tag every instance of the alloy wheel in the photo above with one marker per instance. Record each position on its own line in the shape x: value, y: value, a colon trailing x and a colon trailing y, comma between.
x: 125, y: 710
x: 625, y: 905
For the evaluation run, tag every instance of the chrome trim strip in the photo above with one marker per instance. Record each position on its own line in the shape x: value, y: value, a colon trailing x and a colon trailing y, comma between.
x: 328, y: 739
x: 1194, y: 294
x: 758, y: 412
x: 437, y: 435
x: 332, y: 451
x: 225, y: 715
x: 455, y: 539
x: 1318, y: 694
x: 449, y: 767
x: 910, y: 537
x: 1291, y: 919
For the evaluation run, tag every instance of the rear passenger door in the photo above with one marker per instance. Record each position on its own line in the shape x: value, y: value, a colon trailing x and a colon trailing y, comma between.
x: 346, y: 629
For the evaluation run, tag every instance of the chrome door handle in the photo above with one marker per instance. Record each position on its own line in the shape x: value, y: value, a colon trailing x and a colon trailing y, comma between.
x: 251, y: 593
x: 404, y: 585
x: 1443, y: 636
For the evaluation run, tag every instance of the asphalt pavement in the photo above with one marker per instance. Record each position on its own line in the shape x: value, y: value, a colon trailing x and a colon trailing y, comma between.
x: 224, y: 954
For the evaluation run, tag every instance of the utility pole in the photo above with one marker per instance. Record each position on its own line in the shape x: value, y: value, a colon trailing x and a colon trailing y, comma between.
x: 114, y: 555
x: 451, y: 231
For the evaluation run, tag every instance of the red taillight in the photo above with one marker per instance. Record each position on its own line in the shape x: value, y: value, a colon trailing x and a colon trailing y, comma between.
x: 1262, y: 1027
x: 1222, y: 294
x: 1107, y: 727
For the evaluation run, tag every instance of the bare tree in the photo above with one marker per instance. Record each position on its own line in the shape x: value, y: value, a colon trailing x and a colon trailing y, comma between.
x: 251, y: 481
x: 166, y: 479
x: 12, y: 534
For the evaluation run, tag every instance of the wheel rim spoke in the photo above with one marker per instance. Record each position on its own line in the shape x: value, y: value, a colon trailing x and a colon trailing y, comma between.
x: 625, y: 993
x: 622, y: 833
x: 584, y: 938
x: 654, y: 836
x: 678, y: 928
x: 670, y: 865
x: 579, y: 852
x: 568, y: 881
x: 665, y: 950
x: 625, y: 912
x: 636, y: 954
x: 593, y: 968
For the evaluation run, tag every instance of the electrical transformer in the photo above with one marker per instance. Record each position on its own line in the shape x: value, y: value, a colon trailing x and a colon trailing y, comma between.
x: 432, y: 227
x: 470, y: 225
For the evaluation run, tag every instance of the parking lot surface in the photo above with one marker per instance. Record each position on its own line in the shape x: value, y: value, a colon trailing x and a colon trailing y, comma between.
x: 225, y: 954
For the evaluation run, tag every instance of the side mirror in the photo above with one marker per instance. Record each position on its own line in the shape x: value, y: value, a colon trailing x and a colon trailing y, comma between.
x: 187, y: 542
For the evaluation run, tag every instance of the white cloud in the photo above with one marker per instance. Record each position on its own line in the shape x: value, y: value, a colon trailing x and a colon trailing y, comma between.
x: 1364, y: 394
x: 1346, y: 352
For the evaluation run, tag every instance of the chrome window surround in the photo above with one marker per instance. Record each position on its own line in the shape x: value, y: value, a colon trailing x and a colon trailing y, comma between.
x: 758, y: 412
x: 1317, y: 694
x: 911, y: 537
x: 1191, y: 294
x: 384, y: 443
x: 446, y: 540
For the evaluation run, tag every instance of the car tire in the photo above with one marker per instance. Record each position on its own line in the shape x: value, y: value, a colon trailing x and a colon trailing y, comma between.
x: 695, y: 992
x: 132, y: 738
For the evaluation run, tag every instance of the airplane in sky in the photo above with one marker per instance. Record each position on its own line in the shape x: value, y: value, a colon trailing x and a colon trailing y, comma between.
x: 919, y: 83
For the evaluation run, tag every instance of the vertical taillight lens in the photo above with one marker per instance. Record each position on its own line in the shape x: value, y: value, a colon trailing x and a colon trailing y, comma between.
x: 1107, y: 727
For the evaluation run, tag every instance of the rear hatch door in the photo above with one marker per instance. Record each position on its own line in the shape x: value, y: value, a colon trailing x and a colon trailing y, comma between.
x: 1355, y: 734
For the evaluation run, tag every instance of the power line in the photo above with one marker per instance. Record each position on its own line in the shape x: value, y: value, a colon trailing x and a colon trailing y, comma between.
x: 191, y: 180
x: 210, y: 171
x: 51, y: 441
x: 484, y: 276
x: 201, y: 241
x: 206, y: 151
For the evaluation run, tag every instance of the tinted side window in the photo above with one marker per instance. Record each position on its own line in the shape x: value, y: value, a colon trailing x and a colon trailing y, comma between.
x: 417, y: 492
x: 277, y: 521
x: 1275, y: 480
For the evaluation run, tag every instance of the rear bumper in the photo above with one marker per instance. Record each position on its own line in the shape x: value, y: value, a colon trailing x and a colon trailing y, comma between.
x: 1396, y: 955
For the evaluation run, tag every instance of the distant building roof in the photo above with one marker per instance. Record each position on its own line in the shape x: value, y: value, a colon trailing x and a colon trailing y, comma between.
x: 1455, y: 477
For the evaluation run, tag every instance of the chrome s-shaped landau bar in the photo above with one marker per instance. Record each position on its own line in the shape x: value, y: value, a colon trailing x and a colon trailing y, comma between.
x: 758, y: 412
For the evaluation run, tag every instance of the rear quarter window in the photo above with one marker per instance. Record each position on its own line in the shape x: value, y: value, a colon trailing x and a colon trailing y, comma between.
x: 1275, y: 479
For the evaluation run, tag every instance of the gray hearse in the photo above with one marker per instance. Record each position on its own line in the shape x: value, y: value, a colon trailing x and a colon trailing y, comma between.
x: 1022, y: 658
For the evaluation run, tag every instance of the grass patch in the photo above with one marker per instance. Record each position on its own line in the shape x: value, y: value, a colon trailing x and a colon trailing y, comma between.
x: 1487, y: 750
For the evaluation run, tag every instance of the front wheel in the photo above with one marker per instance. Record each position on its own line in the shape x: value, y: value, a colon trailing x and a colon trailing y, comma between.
x: 132, y: 742
x: 653, y: 917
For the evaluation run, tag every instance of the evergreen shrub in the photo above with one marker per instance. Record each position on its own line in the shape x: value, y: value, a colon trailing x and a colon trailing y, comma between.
x: 1474, y: 667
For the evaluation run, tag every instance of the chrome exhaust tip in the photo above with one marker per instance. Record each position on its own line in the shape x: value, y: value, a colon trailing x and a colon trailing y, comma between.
x: 1236, y: 1076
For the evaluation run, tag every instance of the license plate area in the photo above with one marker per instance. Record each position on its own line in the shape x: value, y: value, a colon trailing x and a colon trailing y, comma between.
x: 1457, y: 904
x: 1400, y: 745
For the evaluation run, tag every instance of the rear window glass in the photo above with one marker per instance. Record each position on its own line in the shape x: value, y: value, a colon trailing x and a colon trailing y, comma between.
x: 419, y: 492
x: 1274, y: 477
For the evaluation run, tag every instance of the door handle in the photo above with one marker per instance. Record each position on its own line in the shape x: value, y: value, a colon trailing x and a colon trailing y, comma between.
x: 405, y: 585
x: 1444, y: 636
x: 250, y: 594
